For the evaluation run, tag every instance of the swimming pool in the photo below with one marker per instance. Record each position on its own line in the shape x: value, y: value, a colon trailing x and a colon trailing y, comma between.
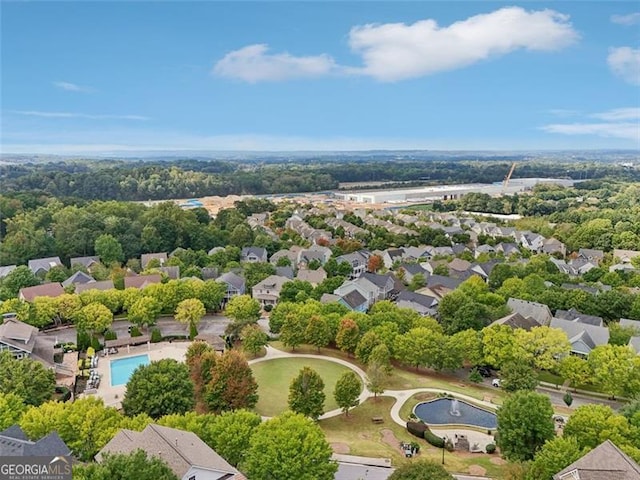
x: 122, y: 368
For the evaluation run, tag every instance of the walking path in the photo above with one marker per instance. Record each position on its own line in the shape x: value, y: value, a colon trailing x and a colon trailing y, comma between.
x: 400, y: 396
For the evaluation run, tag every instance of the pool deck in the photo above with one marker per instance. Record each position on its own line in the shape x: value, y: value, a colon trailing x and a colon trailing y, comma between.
x: 112, y: 396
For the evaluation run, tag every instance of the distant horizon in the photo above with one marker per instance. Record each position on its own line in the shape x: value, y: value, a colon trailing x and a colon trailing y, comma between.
x: 110, y: 78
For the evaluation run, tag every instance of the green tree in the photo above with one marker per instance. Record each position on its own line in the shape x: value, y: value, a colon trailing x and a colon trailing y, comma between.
x: 543, y: 346
x: 518, y: 376
x: 231, y: 433
x: 27, y: 378
x: 68, y: 306
x: 293, y: 331
x: 524, y: 424
x: 232, y: 385
x: 243, y: 309
x: 612, y: 367
x: 348, y: 335
x: 190, y: 311
x: 417, y: 282
x: 131, y: 466
x: 253, y: 339
x: 554, y: 455
x: 366, y: 345
x: 376, y: 378
x: 290, y: 291
x: 592, y: 424
x: 11, y: 409
x: 347, y: 391
x: 620, y: 335
x: 419, y: 346
x: 575, y: 369
x: 109, y: 249
x: 318, y: 332
x: 306, y: 393
x: 160, y: 388
x: 20, y: 277
x: 94, y: 317
x: 144, y: 311
x: 381, y: 356
x: 421, y: 470
x: 276, y: 452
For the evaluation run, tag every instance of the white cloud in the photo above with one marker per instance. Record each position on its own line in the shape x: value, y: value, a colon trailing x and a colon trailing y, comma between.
x: 254, y: 64
x: 620, y: 123
x: 627, y: 20
x: 397, y: 51
x: 36, y: 113
x: 627, y: 131
x: 73, y: 87
x: 619, y: 114
x: 625, y: 62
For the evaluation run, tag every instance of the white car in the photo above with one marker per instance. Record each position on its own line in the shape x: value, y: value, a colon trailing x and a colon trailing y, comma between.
x: 495, y: 382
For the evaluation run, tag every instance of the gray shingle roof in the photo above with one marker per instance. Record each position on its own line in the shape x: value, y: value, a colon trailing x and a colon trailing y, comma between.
x: 14, y: 443
x: 78, y: 278
x: 606, y: 461
x: 354, y: 299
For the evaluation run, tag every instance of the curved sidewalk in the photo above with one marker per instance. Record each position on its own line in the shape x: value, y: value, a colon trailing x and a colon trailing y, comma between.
x: 400, y: 396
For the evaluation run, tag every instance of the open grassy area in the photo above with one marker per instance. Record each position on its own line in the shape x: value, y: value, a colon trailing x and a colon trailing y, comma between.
x: 362, y: 437
x: 274, y: 378
x: 404, y: 378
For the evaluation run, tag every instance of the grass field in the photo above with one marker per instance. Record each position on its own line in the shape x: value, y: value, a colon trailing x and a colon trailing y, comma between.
x: 274, y: 378
x: 361, y: 436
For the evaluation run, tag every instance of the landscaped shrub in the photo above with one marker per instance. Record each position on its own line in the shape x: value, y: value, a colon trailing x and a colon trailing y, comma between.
x: 135, y: 331
x: 193, y: 332
x: 84, y: 341
x: 64, y: 392
x: 95, y: 344
x: 268, y: 308
x: 474, y: 376
x: 110, y: 335
x: 417, y: 429
x: 433, y: 439
x: 490, y: 448
x: 156, y: 336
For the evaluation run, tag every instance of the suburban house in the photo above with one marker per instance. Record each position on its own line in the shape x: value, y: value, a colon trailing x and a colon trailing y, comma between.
x: 423, y: 304
x: 267, y: 292
x: 634, y: 341
x: 354, y: 301
x: 101, y: 285
x: 484, y: 269
x: 86, y: 262
x: 29, y: 294
x: 316, y: 252
x: 141, y: 281
x: 235, y: 285
x: 552, y: 246
x: 606, y: 461
x: 438, y: 286
x: 172, y: 273
x: 291, y: 254
x: 146, y: 258
x: 285, y: 272
x: 253, y: 255
x: 6, y: 270
x: 531, y: 241
x: 184, y: 452
x: 625, y: 256
x: 14, y: 443
x: 583, y: 337
x: 40, y: 266
x: 17, y: 337
x: 537, y: 311
x: 371, y: 286
x: 515, y: 320
x: 508, y: 249
x: 410, y: 270
x: 358, y: 262
x: 314, y: 277
x: 391, y: 256
x: 480, y: 249
x: 591, y: 254
x: 78, y: 278
x: 575, y: 316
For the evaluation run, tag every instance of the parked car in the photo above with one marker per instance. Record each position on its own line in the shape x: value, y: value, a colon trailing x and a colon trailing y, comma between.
x: 495, y: 382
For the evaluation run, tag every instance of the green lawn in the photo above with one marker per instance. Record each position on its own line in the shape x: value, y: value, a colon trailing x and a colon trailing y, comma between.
x: 274, y: 378
x: 365, y: 438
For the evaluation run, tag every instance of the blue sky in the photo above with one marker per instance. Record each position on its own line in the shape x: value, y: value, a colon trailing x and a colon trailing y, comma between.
x: 98, y: 77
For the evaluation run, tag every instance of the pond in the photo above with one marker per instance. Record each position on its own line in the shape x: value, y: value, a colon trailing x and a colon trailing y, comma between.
x: 445, y: 411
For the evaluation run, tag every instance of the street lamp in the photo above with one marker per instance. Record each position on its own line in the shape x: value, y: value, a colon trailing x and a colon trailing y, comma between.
x: 444, y: 442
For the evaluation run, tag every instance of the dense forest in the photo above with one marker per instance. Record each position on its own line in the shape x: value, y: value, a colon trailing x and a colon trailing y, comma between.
x: 160, y: 180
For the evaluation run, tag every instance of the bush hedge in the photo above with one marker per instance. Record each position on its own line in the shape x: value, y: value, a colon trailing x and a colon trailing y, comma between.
x: 433, y: 439
x: 135, y: 331
x: 156, y: 336
x: 490, y: 448
x: 110, y: 335
x: 417, y: 429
